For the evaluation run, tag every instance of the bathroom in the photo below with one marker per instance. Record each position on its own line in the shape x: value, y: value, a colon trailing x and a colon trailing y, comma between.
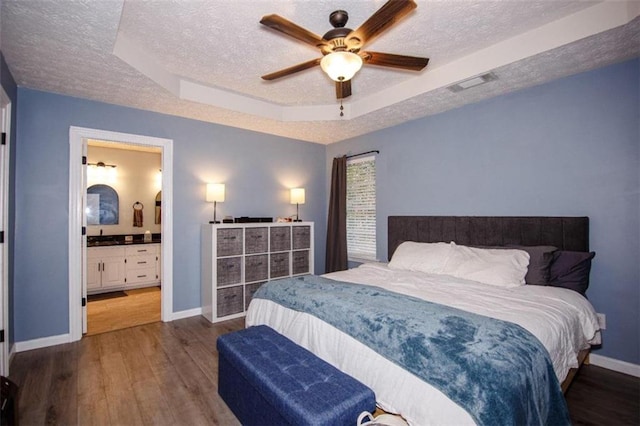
x: 123, y: 216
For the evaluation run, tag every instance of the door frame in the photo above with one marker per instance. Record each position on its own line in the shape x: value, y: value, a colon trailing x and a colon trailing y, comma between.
x: 77, y: 140
x: 5, y: 123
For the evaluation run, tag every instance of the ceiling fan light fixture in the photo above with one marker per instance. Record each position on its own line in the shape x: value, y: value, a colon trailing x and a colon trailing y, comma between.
x: 341, y: 65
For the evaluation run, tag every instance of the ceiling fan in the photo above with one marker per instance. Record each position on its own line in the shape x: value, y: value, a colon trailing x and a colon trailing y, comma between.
x: 341, y: 46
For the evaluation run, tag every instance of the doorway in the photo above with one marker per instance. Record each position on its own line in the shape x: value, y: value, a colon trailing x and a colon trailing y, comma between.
x: 78, y: 140
x: 124, y: 235
x: 5, y: 122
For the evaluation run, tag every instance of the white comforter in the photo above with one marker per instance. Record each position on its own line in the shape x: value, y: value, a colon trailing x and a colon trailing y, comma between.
x: 561, y: 319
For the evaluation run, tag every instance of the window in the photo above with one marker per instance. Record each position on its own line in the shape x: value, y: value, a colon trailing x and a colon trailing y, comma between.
x: 361, y: 208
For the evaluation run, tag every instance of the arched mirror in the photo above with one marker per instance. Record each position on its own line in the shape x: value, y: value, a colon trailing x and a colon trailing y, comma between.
x: 159, y: 208
x: 102, y: 205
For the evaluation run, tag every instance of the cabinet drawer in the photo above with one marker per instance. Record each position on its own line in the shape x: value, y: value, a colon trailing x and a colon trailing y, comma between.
x: 229, y: 242
x: 280, y: 238
x: 300, y: 260
x: 101, y: 252
x: 249, y: 291
x: 229, y: 301
x: 141, y: 275
x: 256, y: 268
x: 140, y: 262
x: 141, y: 249
x: 279, y: 265
x: 301, y: 237
x: 256, y: 240
x: 228, y: 271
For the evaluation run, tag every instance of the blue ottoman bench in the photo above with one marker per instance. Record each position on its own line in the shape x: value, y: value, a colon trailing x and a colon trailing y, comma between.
x: 266, y: 379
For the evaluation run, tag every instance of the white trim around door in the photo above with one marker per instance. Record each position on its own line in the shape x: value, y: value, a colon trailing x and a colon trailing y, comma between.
x: 77, y: 137
x: 5, y: 122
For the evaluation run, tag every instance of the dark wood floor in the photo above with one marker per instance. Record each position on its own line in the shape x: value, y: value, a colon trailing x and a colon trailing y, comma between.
x: 166, y: 373
x: 603, y: 397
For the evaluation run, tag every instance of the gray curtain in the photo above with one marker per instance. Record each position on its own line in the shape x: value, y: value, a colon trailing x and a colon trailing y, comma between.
x: 336, y: 256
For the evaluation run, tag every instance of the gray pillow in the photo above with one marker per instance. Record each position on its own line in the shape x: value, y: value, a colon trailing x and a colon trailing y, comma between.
x: 540, y: 258
x: 570, y: 269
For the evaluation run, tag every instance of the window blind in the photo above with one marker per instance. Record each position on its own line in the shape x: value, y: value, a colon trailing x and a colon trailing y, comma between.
x: 361, y: 208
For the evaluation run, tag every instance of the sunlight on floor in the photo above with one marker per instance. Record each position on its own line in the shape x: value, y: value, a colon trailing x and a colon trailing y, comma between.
x: 140, y: 306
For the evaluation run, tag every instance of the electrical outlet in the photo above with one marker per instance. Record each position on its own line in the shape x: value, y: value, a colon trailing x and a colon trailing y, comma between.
x: 602, y: 321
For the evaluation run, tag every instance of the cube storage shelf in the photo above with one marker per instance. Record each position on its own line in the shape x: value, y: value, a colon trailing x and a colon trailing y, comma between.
x: 238, y: 258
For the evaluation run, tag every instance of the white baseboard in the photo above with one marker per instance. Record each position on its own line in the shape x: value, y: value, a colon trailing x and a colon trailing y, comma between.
x: 43, y: 342
x: 12, y: 352
x: 615, y: 365
x: 186, y: 314
x: 66, y: 338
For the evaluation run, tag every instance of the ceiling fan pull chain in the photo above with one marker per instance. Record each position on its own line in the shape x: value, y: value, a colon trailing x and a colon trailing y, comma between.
x: 341, y: 108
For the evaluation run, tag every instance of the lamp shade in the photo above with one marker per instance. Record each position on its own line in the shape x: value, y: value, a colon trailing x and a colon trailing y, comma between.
x: 215, y: 192
x: 341, y: 66
x: 297, y: 195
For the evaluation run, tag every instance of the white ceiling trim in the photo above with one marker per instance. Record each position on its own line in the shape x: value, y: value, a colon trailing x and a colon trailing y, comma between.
x: 136, y: 57
x: 133, y: 55
x: 594, y: 20
x: 234, y: 101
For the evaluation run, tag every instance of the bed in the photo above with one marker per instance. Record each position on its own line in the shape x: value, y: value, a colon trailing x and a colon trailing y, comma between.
x: 559, y: 320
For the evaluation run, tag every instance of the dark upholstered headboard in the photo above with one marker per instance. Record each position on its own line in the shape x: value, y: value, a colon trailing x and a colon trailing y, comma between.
x: 565, y: 233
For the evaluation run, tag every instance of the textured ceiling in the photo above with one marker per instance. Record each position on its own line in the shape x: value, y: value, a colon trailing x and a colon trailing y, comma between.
x: 204, y: 59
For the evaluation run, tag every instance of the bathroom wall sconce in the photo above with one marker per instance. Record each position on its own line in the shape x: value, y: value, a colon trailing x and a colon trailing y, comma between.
x: 297, y: 198
x: 102, y: 172
x: 102, y: 164
x: 158, y: 179
x: 215, y: 193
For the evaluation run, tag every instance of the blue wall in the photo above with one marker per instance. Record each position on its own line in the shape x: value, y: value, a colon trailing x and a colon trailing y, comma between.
x: 568, y: 148
x: 257, y: 169
x: 10, y: 88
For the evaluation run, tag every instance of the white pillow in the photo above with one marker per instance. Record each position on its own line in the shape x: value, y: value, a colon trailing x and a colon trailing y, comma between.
x: 498, y: 267
x: 422, y: 257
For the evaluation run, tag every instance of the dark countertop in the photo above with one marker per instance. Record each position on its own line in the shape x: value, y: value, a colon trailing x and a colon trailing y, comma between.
x: 119, y: 243
x: 119, y: 240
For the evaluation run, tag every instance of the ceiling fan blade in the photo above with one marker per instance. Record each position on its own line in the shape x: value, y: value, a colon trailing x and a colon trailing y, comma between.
x: 343, y: 89
x: 413, y: 63
x: 291, y: 70
x: 390, y: 13
x: 287, y: 27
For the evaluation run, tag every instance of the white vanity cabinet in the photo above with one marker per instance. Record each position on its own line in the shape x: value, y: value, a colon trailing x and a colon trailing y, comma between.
x: 238, y: 258
x: 105, y: 268
x: 122, y: 267
x: 142, y: 264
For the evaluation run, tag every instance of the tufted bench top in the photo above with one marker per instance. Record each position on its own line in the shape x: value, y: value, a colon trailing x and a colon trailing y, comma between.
x: 303, y: 388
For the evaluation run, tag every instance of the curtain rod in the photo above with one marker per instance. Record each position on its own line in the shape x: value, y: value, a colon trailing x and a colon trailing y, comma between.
x: 364, y: 153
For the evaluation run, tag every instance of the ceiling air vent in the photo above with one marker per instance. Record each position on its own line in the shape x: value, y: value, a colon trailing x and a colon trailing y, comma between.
x: 472, y: 82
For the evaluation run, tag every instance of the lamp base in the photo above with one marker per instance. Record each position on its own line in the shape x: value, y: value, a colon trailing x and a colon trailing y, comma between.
x: 214, y: 221
x: 297, y: 220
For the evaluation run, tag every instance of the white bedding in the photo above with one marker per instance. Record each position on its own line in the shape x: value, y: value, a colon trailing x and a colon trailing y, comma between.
x: 564, y: 321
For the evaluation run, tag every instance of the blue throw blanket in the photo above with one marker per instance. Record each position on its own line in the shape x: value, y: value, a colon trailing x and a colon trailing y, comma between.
x: 496, y: 370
